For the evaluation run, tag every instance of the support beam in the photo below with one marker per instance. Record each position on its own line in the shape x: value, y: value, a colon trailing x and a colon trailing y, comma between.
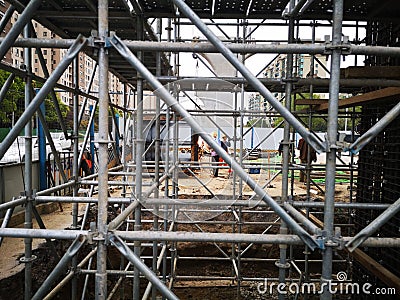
x: 374, y: 96
x: 41, y: 95
x: 371, y: 133
x: 6, y: 87
x: 308, y: 136
x: 372, y: 227
x: 60, y: 268
x: 17, y: 28
x: 137, y: 262
x: 171, y: 101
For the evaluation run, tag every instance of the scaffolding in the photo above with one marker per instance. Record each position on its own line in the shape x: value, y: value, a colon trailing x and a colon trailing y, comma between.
x: 144, y: 226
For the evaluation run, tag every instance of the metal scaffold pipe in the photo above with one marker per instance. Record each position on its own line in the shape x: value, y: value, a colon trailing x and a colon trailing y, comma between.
x: 102, y: 206
x: 207, y: 47
x: 332, y: 130
x: 167, y: 97
x: 308, y: 136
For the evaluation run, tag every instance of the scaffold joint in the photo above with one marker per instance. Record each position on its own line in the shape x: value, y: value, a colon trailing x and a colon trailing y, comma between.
x: 282, y: 266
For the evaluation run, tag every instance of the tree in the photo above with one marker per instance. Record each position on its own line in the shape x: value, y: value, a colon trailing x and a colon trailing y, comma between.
x: 318, y: 124
x: 13, y: 98
x: 14, y: 103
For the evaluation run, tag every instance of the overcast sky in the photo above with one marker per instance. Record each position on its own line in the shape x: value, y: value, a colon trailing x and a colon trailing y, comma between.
x: 191, y: 67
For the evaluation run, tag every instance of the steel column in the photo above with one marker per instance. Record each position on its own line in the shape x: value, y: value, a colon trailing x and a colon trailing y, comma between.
x: 101, y: 274
x: 327, y: 254
x: 28, y: 258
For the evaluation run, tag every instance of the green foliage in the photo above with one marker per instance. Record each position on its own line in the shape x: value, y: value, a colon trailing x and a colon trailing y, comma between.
x: 51, y: 114
x: 14, y: 96
x: 14, y: 103
x: 318, y: 124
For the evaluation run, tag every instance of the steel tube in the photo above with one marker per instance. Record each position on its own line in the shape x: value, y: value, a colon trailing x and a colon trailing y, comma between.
x: 136, y: 261
x: 368, y: 136
x: 60, y: 268
x: 6, y: 17
x: 286, y: 155
x: 101, y: 267
x: 67, y: 278
x: 41, y: 95
x: 13, y: 203
x: 19, y: 25
x: 184, y: 236
x: 52, y: 93
x: 374, y: 226
x: 341, y: 205
x: 6, y: 219
x: 207, y: 47
x: 41, y: 233
x: 28, y: 180
x: 294, y: 9
x: 166, y: 96
x: 310, y: 138
x: 6, y: 87
x: 194, y: 202
x: 140, y: 145
x: 332, y: 125
x: 302, y: 219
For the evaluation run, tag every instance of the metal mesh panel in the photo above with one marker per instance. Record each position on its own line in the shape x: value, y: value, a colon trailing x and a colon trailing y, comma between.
x: 379, y: 181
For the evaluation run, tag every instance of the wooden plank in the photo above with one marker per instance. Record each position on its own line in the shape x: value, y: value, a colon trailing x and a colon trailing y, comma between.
x: 378, y: 95
x: 387, y: 277
x: 381, y: 72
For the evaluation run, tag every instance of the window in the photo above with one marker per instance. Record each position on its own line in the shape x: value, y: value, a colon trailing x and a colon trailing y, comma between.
x: 44, y: 33
x: 45, y: 52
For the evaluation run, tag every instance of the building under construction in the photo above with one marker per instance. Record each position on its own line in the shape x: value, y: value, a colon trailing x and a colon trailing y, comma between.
x: 155, y: 213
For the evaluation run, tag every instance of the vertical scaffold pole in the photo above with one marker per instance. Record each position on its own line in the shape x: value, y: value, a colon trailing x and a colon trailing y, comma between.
x: 331, y: 155
x: 282, y: 264
x: 138, y: 160
x: 75, y: 170
x: 27, y: 259
x: 101, y: 274
x: 157, y: 157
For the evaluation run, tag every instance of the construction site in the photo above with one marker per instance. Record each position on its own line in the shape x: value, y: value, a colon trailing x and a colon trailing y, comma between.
x: 204, y: 149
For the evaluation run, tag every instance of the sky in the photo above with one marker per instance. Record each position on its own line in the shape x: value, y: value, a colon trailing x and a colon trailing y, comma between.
x: 256, y: 63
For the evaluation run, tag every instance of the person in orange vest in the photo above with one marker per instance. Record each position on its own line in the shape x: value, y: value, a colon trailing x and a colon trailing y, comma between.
x: 86, y: 164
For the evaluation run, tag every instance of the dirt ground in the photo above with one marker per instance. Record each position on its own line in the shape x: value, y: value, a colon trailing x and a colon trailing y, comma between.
x: 12, y: 249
